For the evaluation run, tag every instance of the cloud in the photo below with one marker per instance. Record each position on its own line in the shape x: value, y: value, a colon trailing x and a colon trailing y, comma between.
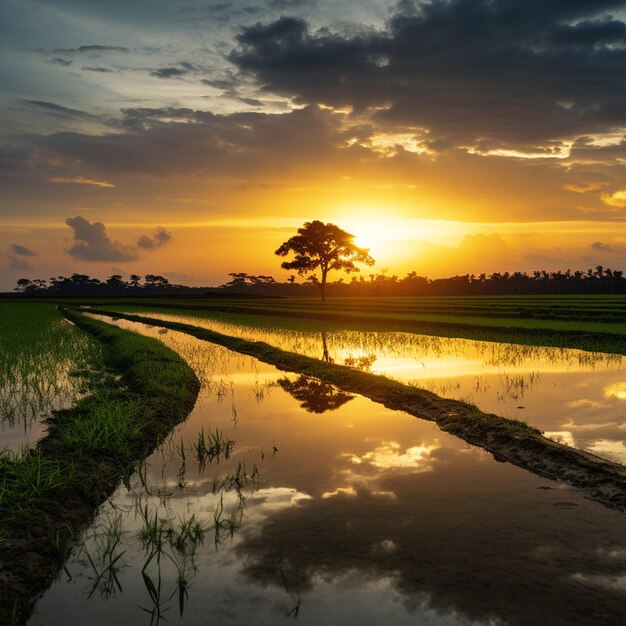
x: 89, y: 49
x: 583, y: 187
x: 158, y: 239
x: 61, y: 111
x: 16, y: 248
x: 93, y: 242
x: 616, y: 199
x: 19, y: 263
x: 60, y: 61
x: 492, y: 74
x: 80, y: 180
x: 169, y: 72
x: 101, y: 70
x: 601, y: 247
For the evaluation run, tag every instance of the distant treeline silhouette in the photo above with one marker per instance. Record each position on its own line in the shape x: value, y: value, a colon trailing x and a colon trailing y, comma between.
x: 592, y: 281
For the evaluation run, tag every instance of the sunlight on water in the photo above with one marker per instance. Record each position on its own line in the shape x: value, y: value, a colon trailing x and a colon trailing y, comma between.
x: 578, y: 395
x: 279, y: 498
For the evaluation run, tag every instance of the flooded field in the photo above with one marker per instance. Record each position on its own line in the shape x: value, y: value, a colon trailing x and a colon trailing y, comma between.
x: 575, y: 397
x: 282, y: 498
x: 41, y: 357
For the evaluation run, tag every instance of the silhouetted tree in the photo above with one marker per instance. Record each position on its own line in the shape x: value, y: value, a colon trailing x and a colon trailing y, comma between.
x: 116, y: 281
x: 134, y: 280
x: 325, y: 247
x: 156, y: 280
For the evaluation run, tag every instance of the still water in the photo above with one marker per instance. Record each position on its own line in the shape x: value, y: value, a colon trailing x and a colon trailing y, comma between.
x: 575, y: 397
x: 331, y: 509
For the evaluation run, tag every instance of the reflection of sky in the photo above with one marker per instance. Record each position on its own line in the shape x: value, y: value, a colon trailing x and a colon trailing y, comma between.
x: 571, y: 392
x: 362, y: 516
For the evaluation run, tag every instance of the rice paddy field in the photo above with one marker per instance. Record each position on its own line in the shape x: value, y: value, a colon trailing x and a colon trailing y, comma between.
x: 43, y: 360
x: 282, y: 497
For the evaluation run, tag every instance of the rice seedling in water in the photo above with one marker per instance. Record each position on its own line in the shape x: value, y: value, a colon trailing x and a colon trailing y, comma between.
x: 45, y: 363
x: 212, y: 446
x: 105, y: 556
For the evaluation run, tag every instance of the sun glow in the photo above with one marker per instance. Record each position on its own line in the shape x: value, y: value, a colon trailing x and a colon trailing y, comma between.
x: 389, y: 237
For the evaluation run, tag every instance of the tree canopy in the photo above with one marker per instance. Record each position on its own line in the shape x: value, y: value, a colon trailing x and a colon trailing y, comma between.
x: 325, y: 247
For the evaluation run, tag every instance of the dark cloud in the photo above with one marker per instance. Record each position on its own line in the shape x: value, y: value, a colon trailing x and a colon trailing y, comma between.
x: 290, y: 5
x: 158, y: 239
x: 60, y: 61
x: 93, y: 242
x: 489, y: 73
x: 598, y: 246
x: 20, y: 250
x: 219, y: 13
x: 183, y: 141
x: 169, y: 72
x: 59, y: 110
x: 90, y: 48
x: 102, y: 70
x: 19, y: 263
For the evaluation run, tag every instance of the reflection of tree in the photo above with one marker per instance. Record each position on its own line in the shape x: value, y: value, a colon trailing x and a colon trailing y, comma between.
x: 315, y: 396
x: 325, y: 354
x: 364, y: 362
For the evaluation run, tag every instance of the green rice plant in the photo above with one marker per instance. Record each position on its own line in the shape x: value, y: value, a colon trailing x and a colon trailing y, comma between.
x: 109, y: 428
x: 28, y: 475
x: 213, y: 446
x: 106, y: 561
x: 45, y: 363
x: 226, y: 526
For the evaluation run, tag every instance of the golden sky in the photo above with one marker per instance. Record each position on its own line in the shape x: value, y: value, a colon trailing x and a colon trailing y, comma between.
x: 191, y: 140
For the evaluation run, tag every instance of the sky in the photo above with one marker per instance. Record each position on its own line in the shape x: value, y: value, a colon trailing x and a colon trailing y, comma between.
x: 190, y: 139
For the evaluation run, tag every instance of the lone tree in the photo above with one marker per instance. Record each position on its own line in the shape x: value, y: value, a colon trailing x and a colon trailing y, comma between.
x: 323, y: 246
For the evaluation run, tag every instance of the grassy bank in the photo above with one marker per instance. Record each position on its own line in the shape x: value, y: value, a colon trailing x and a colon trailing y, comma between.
x: 49, y: 494
x: 508, y: 440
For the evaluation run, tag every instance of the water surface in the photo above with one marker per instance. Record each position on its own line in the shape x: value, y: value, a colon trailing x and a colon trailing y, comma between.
x: 576, y: 397
x: 333, y: 509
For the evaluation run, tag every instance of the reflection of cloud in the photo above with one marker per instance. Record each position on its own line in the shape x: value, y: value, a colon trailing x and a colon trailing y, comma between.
x: 613, y: 583
x: 617, y: 390
x: 610, y: 449
x: 584, y: 403
x: 345, y: 491
x: 389, y: 456
x: 561, y: 436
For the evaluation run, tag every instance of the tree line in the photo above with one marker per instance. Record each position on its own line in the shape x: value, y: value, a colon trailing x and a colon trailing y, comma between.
x: 591, y: 281
x: 319, y: 248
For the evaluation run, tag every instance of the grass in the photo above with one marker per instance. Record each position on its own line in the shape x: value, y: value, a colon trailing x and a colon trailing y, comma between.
x: 45, y: 362
x: 144, y: 390
x: 28, y: 476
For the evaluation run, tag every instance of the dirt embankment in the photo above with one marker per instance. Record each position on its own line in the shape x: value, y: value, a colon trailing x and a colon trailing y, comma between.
x: 508, y: 440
